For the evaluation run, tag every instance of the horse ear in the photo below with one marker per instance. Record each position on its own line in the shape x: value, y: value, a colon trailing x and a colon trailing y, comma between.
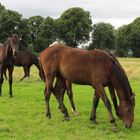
x: 7, y: 35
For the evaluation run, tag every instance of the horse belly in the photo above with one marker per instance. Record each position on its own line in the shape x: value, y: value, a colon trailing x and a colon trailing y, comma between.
x: 77, y: 76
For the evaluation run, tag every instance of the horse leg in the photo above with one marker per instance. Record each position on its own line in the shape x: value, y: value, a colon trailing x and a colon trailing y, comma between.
x: 47, y: 93
x: 28, y: 71
x: 59, y: 97
x: 1, y: 81
x: 4, y: 72
x: 25, y: 73
x: 114, y: 99
x: 70, y: 95
x: 10, y: 69
x: 95, y: 105
x: 61, y: 90
x: 101, y: 92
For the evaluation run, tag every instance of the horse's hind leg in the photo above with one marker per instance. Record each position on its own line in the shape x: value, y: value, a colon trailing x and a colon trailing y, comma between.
x: 10, y: 69
x: 95, y: 105
x: 59, y: 96
x: 1, y: 81
x: 47, y: 93
x: 28, y: 71
x: 60, y: 88
x: 114, y: 99
x: 101, y: 92
x: 24, y: 69
x: 70, y: 95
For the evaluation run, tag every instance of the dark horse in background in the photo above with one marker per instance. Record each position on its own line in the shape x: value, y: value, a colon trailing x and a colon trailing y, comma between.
x: 8, y: 52
x: 26, y: 59
x: 95, y: 68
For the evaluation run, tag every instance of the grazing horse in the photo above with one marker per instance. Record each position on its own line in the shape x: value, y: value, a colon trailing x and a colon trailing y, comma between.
x: 8, y: 52
x: 26, y: 59
x: 95, y: 68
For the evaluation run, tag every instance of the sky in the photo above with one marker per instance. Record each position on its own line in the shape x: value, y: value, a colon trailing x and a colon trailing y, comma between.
x: 115, y: 12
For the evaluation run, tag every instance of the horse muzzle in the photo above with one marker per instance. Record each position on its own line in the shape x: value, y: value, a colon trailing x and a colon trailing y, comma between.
x: 128, y: 126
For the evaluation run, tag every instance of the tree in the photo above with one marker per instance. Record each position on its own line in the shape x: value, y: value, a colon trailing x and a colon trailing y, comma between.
x: 9, y: 22
x: 34, y: 23
x: 103, y: 36
x: 74, y: 26
x: 134, y: 37
x: 128, y: 39
x: 122, y: 40
x: 46, y: 35
x: 24, y: 31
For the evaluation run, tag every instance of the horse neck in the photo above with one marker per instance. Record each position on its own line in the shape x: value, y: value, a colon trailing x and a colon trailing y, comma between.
x: 7, y: 50
x: 36, y: 62
x: 121, y: 83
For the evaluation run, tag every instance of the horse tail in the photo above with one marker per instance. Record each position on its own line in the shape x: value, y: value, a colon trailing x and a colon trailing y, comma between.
x: 42, y: 75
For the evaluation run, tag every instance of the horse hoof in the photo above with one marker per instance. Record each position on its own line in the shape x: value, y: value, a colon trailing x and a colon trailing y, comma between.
x: 66, y: 119
x: 76, y: 113
x: 114, y: 129
x: 11, y: 96
x: 93, y: 120
x: 48, y: 116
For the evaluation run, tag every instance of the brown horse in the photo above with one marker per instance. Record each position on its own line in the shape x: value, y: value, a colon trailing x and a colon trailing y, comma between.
x: 61, y: 87
x: 95, y: 68
x: 8, y: 51
x: 26, y: 59
x: 67, y: 86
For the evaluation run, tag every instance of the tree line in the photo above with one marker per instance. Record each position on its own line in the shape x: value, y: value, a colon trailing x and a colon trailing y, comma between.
x: 74, y: 27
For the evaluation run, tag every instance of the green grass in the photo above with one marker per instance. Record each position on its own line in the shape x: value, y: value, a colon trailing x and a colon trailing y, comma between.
x: 23, y: 117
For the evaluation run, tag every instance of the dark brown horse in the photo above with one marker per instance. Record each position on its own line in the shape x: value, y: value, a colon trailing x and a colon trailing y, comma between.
x: 95, y: 68
x: 26, y: 59
x: 8, y: 51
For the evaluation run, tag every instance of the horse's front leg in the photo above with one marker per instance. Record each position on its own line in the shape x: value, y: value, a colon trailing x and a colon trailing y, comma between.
x: 114, y: 99
x: 1, y: 80
x: 99, y: 89
x: 10, y: 69
x: 70, y: 95
x: 95, y: 105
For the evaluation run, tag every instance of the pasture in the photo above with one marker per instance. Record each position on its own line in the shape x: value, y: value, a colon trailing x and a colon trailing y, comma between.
x: 23, y: 117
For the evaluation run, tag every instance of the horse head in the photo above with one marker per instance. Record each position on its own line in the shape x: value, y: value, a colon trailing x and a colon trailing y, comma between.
x: 14, y: 43
x: 126, y: 111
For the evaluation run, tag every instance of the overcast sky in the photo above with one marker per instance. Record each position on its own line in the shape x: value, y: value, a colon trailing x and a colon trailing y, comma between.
x: 116, y: 12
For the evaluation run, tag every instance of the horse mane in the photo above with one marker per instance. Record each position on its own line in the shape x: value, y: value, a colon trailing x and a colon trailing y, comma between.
x: 122, y: 77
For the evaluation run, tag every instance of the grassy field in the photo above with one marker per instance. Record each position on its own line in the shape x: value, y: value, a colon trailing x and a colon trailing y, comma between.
x: 23, y: 117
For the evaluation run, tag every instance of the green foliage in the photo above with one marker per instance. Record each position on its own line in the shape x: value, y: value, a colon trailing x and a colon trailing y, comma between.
x: 74, y: 26
x: 46, y: 35
x: 24, y: 31
x: 128, y: 38
x: 9, y: 22
x: 34, y: 23
x: 103, y: 37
